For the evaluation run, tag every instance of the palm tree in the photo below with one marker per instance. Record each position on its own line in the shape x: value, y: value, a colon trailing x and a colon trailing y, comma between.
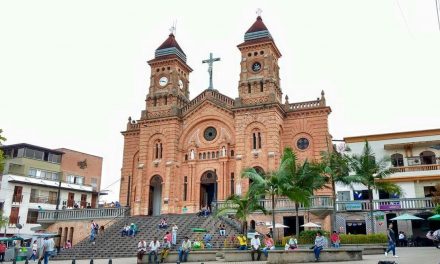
x: 242, y: 207
x: 336, y: 168
x: 371, y: 173
x: 305, y: 178
x: 271, y: 184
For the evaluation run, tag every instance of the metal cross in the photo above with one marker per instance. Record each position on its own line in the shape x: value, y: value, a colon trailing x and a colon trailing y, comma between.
x: 173, y: 28
x: 259, y: 11
x: 210, y: 62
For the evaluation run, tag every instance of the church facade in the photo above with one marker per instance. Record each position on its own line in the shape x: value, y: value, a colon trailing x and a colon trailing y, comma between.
x: 184, y: 154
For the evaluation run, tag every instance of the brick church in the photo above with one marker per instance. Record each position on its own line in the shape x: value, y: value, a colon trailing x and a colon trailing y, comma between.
x: 185, y: 153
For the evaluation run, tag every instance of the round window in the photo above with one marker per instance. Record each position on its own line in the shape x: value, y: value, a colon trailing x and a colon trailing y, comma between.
x: 303, y: 143
x: 210, y: 133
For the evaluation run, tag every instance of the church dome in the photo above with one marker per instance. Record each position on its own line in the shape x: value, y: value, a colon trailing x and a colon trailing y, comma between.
x: 170, y: 47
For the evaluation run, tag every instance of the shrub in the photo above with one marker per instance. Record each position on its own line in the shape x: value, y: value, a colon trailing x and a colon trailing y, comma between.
x: 307, y: 236
x: 363, y: 239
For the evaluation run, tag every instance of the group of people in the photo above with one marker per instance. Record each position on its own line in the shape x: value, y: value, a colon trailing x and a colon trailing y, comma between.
x: 95, y: 229
x: 205, y: 211
x: 129, y: 230
x: 155, y: 249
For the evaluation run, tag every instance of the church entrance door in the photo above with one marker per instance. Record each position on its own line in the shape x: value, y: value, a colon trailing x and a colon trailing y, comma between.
x: 208, y: 189
x: 155, y: 195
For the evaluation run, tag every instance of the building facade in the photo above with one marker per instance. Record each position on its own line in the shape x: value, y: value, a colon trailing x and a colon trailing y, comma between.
x: 414, y: 159
x: 183, y: 154
x: 33, y: 176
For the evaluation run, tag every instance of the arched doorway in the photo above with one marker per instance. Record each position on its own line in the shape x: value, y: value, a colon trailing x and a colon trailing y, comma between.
x: 208, y: 189
x: 427, y: 157
x: 155, y: 195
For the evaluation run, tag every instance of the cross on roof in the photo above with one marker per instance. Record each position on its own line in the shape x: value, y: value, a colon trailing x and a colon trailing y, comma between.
x: 210, y: 62
x: 259, y: 11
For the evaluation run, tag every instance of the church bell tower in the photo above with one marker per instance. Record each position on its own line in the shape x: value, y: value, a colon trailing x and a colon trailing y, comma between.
x: 169, y: 80
x: 259, y: 76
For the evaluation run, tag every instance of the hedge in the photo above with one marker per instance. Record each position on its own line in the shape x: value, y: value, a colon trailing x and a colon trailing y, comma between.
x: 308, y: 237
x: 363, y: 239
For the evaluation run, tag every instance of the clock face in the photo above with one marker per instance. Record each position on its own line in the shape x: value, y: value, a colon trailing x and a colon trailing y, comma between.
x: 302, y: 143
x: 163, y: 81
x: 256, y: 67
x: 180, y: 84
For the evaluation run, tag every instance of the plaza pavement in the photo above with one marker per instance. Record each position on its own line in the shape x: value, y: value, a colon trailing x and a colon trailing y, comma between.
x: 407, y: 255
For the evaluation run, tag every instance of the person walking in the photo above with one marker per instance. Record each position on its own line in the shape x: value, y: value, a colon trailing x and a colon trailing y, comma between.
x: 48, y: 248
x: 255, y: 245
x: 166, y: 247
x: 34, y: 255
x: 174, y: 234
x: 154, y: 249
x: 319, y: 245
x: 2, y: 251
x: 184, y: 250
x: 391, y: 241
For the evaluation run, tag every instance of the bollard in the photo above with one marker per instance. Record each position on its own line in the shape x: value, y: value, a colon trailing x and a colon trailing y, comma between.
x: 110, y: 261
x: 14, y: 261
x: 91, y: 261
x: 26, y: 262
x: 73, y: 260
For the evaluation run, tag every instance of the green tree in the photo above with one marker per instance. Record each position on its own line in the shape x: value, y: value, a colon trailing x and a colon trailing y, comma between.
x: 336, y: 168
x: 4, y: 221
x: 304, y: 177
x: 272, y: 184
x: 2, y: 158
x: 371, y: 173
x: 242, y: 207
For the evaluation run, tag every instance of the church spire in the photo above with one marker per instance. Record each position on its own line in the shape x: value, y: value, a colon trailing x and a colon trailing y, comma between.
x: 170, y: 47
x: 258, y: 30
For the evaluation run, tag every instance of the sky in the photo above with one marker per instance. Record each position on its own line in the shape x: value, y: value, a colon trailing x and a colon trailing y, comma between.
x: 72, y: 72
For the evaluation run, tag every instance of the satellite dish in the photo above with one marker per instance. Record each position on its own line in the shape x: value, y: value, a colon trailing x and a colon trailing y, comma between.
x: 19, y: 226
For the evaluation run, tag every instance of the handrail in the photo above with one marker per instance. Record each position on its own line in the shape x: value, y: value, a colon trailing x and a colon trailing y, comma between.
x: 78, y: 214
x: 425, y: 167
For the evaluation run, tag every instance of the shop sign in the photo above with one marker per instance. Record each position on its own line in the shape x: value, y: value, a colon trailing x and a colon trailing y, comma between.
x: 353, y: 206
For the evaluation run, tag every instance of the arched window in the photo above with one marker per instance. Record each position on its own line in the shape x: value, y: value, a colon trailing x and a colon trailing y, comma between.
x: 155, y: 101
x: 186, y: 156
x: 232, y: 153
x: 249, y: 88
x: 166, y: 100
x: 261, y: 86
x: 256, y: 140
x: 158, y: 150
x: 209, y: 155
x: 232, y: 183
x: 204, y: 155
x: 200, y: 155
x: 252, y: 226
x: 213, y: 155
x: 397, y: 160
x: 185, y: 188
x: 427, y: 157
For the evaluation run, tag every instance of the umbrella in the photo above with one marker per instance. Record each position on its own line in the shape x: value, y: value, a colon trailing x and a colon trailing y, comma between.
x: 310, y: 224
x: 277, y: 225
x: 407, y: 217
x: 434, y: 217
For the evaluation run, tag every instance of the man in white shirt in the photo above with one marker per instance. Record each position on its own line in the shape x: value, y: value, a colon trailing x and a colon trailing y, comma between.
x: 184, y: 250
x: 48, y: 247
x: 142, y: 248
x: 255, y: 244
x: 154, y: 248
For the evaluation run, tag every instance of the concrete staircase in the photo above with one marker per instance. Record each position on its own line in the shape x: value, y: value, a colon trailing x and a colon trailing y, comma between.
x: 110, y: 243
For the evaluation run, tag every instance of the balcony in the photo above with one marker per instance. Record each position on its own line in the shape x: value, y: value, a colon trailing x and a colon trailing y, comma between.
x: 43, y: 200
x: 17, y: 198
x: 324, y: 204
x: 51, y: 183
x: 80, y: 214
x: 429, y: 167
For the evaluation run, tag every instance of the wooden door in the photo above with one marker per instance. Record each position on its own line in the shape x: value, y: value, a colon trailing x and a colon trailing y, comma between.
x: 83, y: 200
x: 18, y: 194
x: 70, y: 199
x: 13, y: 218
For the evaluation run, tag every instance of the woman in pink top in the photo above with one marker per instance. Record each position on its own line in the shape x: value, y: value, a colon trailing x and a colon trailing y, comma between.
x: 269, y: 245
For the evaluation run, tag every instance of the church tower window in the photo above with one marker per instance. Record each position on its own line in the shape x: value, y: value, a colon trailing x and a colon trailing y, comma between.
x: 256, y: 140
x: 158, y: 150
x: 155, y: 101
x: 249, y: 88
x: 185, y: 188
x: 166, y: 100
x: 261, y: 86
x: 232, y: 183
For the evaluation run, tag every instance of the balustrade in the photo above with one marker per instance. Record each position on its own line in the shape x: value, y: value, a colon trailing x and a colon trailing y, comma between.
x: 80, y: 214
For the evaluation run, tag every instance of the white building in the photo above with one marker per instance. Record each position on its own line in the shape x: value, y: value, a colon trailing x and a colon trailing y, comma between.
x: 31, y: 181
x: 414, y: 157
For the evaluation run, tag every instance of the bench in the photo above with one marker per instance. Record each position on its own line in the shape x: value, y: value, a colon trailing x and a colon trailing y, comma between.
x: 368, y: 249
x: 194, y: 256
x: 297, y: 256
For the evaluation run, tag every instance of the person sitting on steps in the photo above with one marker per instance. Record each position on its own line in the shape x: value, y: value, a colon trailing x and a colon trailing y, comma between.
x: 184, y: 250
x: 163, y: 223
x: 166, y: 247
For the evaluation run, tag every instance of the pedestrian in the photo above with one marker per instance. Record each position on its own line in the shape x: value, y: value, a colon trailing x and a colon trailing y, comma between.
x: 222, y: 230
x: 154, y: 249
x: 174, y: 234
x: 402, y: 239
x: 142, y: 248
x: 184, y: 250
x: 68, y: 244
x: 34, y: 251
x: 48, y: 248
x: 17, y: 247
x: 319, y: 245
x: 269, y: 245
x: 255, y: 244
x: 391, y: 241
x: 2, y: 251
x: 335, y: 239
x: 93, y: 231
x: 166, y: 247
